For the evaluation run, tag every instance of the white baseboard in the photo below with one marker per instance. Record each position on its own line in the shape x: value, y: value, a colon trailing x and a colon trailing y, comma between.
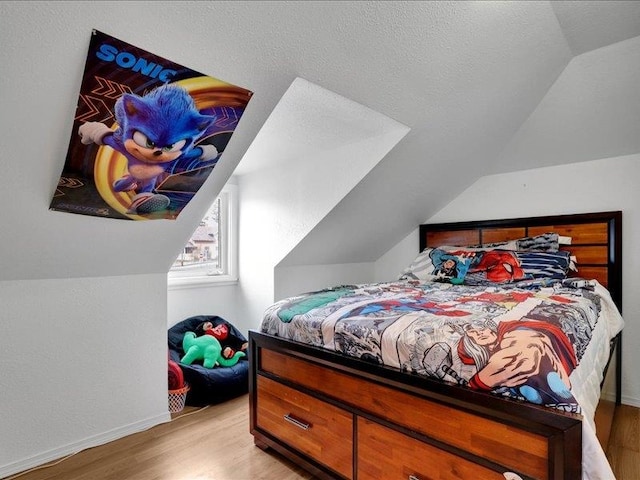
x: 633, y: 402
x: 90, y: 442
x: 625, y: 400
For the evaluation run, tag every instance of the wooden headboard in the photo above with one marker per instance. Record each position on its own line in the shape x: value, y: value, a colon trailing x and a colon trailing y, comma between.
x: 596, y: 240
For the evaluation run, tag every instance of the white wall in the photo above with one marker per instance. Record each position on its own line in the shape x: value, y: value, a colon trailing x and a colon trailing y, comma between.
x: 294, y: 280
x: 388, y: 267
x: 210, y: 299
x: 83, y: 363
x: 600, y: 185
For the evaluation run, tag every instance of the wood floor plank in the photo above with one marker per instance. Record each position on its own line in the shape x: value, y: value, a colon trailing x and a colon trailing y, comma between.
x: 214, y: 444
x: 624, y: 444
x: 198, y: 444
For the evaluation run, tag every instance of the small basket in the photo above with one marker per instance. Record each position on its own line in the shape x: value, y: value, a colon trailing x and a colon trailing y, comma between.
x: 177, y: 399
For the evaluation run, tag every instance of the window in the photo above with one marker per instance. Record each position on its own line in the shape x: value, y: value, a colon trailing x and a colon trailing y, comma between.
x: 210, y: 254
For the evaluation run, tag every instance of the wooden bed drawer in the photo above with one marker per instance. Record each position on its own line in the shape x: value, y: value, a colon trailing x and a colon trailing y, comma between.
x: 495, y: 441
x: 320, y: 430
x: 386, y: 453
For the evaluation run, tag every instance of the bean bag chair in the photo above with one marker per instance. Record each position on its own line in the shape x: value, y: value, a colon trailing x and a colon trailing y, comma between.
x: 208, y: 385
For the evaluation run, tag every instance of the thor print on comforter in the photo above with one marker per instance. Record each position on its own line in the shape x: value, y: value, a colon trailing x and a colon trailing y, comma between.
x: 518, y: 343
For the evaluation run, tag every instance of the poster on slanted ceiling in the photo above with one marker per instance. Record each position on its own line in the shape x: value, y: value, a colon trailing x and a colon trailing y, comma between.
x: 147, y: 133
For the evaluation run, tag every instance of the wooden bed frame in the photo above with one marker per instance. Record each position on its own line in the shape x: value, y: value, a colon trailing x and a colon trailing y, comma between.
x: 340, y: 417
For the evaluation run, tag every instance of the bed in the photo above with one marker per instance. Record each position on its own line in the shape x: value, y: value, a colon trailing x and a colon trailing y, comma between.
x: 382, y: 381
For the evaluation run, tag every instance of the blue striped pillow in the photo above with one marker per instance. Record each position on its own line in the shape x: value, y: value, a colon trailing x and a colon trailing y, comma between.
x: 545, y: 264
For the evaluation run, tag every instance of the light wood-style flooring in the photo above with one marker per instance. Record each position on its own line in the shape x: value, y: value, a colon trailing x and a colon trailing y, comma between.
x: 215, y: 444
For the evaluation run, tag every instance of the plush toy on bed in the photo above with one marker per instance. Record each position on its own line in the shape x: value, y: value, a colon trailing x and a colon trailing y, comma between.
x: 207, y: 349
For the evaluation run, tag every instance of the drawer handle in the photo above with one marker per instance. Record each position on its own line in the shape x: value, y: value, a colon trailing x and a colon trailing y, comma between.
x: 296, y: 422
x: 413, y: 477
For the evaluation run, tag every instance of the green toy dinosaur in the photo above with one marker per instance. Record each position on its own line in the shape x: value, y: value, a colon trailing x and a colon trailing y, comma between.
x: 207, y: 349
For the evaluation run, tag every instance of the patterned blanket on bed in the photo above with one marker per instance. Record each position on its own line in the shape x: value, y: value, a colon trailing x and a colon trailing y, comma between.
x: 517, y: 342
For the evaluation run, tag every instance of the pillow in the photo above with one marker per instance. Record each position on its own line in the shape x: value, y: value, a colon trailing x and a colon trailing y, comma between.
x: 554, y: 265
x: 547, y: 242
x: 457, y: 264
x: 493, y: 265
x: 447, y: 263
x: 505, y: 266
x: 420, y: 269
x: 476, y: 266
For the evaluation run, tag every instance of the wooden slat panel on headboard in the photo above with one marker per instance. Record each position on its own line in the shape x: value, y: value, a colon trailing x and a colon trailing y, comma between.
x: 599, y: 273
x: 596, y: 240
x: 589, y: 254
x: 493, y: 235
x: 454, y: 238
x: 580, y: 233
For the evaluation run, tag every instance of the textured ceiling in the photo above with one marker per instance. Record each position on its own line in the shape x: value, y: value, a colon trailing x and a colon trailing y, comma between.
x: 589, y: 25
x: 476, y: 82
x: 487, y: 87
x: 410, y: 37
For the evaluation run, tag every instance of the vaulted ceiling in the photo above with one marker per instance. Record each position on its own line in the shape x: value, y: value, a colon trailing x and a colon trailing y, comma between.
x: 484, y: 86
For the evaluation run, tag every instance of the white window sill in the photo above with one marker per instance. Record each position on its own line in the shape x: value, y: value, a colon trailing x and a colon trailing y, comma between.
x: 201, y: 281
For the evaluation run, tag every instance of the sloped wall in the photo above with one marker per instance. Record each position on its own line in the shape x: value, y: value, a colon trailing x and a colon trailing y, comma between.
x: 281, y: 202
x: 43, y: 53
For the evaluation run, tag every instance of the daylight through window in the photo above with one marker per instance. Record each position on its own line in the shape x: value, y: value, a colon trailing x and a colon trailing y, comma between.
x: 209, y: 254
x: 204, y: 245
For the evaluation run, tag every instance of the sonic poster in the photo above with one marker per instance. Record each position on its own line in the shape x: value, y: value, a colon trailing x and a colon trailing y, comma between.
x: 146, y: 135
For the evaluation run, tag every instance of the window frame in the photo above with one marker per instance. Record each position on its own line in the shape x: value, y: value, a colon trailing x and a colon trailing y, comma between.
x: 229, y: 247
